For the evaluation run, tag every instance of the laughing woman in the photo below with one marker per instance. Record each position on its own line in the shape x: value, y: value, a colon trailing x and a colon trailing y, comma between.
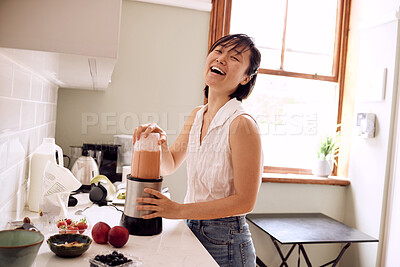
x: 222, y: 147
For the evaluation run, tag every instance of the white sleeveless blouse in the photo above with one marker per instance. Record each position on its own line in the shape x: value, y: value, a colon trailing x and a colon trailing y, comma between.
x: 209, y: 165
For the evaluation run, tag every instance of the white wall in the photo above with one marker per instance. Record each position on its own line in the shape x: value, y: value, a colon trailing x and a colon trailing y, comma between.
x: 373, y: 46
x: 391, y: 236
x: 27, y: 115
x: 158, y: 78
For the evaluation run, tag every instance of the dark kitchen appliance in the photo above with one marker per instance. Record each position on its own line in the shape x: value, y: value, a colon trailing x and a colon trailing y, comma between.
x: 106, y: 156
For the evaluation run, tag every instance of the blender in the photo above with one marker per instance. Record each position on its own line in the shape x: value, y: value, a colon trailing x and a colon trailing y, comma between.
x: 145, y: 173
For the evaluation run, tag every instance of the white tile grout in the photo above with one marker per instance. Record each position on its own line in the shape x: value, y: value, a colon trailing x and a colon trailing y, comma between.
x: 28, y: 69
x: 11, y: 133
x: 20, y: 115
x: 9, y: 201
x: 30, y: 85
x: 12, y: 80
x: 26, y: 100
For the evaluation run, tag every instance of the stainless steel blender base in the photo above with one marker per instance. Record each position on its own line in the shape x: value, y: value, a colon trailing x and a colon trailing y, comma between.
x: 143, y: 227
x: 132, y: 218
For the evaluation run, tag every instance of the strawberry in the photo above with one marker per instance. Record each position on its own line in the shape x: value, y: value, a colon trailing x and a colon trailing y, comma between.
x: 82, y: 225
x: 62, y: 229
x: 68, y: 221
x: 61, y: 223
x: 72, y: 229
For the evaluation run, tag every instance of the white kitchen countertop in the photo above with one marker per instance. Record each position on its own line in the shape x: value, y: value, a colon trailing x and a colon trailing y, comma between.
x: 175, y: 246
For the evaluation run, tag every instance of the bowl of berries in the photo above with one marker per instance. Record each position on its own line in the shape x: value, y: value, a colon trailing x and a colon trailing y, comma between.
x: 77, y: 225
x: 114, y: 258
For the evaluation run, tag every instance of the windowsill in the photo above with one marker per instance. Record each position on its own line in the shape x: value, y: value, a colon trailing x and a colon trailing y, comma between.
x: 303, y: 179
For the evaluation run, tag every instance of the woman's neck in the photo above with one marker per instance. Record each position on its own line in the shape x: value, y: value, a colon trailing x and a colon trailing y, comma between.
x: 215, y: 103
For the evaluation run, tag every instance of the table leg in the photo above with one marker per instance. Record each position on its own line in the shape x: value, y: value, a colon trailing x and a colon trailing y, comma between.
x: 298, y: 258
x: 287, y: 255
x: 336, y: 261
x: 283, y: 258
x: 305, y: 255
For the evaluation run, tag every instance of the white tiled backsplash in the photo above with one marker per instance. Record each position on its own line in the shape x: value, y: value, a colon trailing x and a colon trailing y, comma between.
x: 28, y: 105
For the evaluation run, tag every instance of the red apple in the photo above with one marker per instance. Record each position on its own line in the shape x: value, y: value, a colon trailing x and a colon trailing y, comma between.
x: 118, y: 236
x: 100, y: 232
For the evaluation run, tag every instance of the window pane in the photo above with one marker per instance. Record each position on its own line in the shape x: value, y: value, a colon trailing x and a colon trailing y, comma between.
x: 264, y: 21
x: 310, y: 36
x: 310, y: 32
x: 308, y: 63
x: 293, y: 114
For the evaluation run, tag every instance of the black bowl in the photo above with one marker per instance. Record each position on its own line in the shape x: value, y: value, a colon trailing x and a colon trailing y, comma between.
x: 68, y: 252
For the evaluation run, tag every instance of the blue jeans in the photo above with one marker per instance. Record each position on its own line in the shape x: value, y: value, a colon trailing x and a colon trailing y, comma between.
x: 228, y: 240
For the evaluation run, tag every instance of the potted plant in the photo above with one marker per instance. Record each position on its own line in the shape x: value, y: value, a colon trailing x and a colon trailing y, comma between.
x: 328, y: 149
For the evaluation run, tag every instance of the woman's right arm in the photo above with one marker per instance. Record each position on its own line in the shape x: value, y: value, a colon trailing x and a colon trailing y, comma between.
x: 172, y: 157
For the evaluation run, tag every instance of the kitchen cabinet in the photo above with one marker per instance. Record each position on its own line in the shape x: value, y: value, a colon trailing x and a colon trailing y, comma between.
x: 72, y: 43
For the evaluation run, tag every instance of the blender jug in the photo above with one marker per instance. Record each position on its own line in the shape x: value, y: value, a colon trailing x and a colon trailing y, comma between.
x: 145, y: 173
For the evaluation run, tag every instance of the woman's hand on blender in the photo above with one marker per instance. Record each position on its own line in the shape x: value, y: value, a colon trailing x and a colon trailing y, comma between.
x: 149, y: 128
x: 161, y: 205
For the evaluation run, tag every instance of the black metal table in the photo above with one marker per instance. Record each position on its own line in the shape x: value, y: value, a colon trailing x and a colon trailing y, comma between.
x: 306, y: 228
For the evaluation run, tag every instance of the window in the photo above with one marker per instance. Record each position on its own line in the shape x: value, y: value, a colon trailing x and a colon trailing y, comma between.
x: 298, y: 94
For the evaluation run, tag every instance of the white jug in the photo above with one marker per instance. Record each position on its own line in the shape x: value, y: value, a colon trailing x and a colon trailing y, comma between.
x: 44, y: 153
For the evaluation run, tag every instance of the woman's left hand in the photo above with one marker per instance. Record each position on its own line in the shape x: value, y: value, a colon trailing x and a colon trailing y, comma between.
x: 161, y: 205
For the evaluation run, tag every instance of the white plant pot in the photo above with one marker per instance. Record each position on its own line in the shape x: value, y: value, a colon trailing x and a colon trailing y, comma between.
x: 322, y: 168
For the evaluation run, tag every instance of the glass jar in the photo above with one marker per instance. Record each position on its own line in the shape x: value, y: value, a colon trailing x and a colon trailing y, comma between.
x: 146, y: 157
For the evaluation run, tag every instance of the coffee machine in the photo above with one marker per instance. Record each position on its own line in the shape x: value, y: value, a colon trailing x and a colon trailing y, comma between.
x: 145, y: 173
x: 106, y: 156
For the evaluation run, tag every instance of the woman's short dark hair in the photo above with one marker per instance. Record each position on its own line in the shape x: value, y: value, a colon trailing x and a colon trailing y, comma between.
x: 243, y: 42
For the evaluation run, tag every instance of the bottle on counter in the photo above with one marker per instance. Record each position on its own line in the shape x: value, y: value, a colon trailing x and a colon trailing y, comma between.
x: 44, y: 153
